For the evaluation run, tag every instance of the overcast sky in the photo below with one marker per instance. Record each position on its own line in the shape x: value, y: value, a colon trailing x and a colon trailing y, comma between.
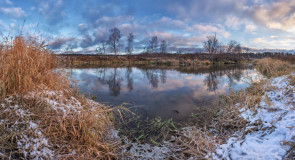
x: 82, y: 24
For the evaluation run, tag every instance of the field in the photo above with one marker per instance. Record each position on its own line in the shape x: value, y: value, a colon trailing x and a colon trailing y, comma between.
x: 79, y: 60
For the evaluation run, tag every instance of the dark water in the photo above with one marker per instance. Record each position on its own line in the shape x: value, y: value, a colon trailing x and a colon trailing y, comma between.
x: 165, y: 92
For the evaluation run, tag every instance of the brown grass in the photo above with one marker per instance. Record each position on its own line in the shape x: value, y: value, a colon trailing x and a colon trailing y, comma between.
x: 273, y: 67
x: 292, y: 80
x: 199, y: 143
x: 26, y: 65
x: 78, y: 131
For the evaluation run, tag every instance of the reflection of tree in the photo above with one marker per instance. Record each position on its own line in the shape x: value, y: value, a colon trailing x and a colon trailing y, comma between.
x: 101, y: 74
x: 211, y: 81
x: 114, y: 83
x: 129, y: 79
x: 163, y: 75
x: 154, y: 75
x: 232, y: 75
x: 153, y: 78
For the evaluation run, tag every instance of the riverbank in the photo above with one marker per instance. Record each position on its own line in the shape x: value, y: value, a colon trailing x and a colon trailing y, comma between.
x: 198, y: 59
x: 270, y: 129
x: 73, y: 60
x: 255, y: 123
x: 42, y: 116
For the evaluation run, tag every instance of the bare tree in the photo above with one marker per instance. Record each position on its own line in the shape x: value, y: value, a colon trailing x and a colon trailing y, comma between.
x: 101, y: 49
x: 114, y: 38
x: 238, y: 48
x: 246, y: 49
x: 211, y: 45
x: 163, y: 46
x: 130, y: 42
x: 179, y: 51
x: 230, y: 46
x: 153, y: 45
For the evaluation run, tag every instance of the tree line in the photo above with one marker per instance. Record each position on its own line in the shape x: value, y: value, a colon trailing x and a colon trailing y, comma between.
x: 212, y: 45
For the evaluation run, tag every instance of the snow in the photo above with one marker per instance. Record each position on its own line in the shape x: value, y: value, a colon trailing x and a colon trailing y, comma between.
x: 267, y: 129
x: 36, y: 145
x: 32, y: 142
x: 263, y: 138
x: 141, y: 151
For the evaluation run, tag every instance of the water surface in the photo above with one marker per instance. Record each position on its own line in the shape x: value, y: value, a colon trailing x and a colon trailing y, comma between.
x: 166, y: 92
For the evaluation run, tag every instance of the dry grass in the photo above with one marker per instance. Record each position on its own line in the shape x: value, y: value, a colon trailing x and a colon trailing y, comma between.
x: 25, y: 64
x: 199, y: 143
x: 292, y: 80
x: 75, y: 127
x: 273, y: 67
x: 194, y: 142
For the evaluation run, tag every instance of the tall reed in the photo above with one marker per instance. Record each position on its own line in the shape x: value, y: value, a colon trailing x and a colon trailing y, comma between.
x: 26, y: 65
x: 75, y: 127
x: 273, y: 67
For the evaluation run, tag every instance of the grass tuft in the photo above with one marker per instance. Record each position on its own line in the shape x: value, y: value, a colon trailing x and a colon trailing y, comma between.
x: 41, y: 117
x: 273, y: 67
x: 26, y: 65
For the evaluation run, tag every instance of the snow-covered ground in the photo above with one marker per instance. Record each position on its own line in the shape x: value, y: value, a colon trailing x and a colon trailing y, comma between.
x: 268, y: 128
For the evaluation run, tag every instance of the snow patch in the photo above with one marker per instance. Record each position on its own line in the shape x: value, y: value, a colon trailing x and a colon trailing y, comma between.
x: 267, y: 129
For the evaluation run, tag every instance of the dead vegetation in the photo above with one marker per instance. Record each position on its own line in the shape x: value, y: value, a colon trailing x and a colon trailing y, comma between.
x: 40, y: 115
x: 273, y: 67
x: 25, y: 64
x: 201, y: 142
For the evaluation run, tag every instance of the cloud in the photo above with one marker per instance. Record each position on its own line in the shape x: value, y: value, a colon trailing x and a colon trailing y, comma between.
x: 272, y: 42
x: 276, y: 15
x: 59, y: 43
x: 207, y: 10
x: 16, y: 12
x: 251, y: 28
x: 83, y: 28
x: 52, y: 11
x: 233, y: 22
x: 8, y: 2
x: 205, y: 29
x: 167, y: 23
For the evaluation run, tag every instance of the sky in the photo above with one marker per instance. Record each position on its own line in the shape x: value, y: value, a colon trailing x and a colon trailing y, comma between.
x: 79, y: 25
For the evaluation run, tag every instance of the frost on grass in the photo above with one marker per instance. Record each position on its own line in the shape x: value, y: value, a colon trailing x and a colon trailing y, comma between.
x: 28, y: 131
x: 35, y: 145
x: 270, y: 126
x: 30, y: 141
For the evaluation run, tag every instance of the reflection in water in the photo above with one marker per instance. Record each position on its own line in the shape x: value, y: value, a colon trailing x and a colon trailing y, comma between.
x: 129, y: 79
x: 211, y: 81
x: 167, y: 93
x: 114, y: 83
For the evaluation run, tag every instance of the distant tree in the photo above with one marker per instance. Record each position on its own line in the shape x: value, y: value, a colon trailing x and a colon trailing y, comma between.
x: 230, y: 46
x: 238, y: 48
x: 179, y: 51
x: 212, y: 44
x: 69, y: 49
x: 163, y: 46
x: 101, y: 49
x: 130, y: 42
x: 114, y: 38
x: 246, y: 49
x: 153, y: 45
x: 220, y: 48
